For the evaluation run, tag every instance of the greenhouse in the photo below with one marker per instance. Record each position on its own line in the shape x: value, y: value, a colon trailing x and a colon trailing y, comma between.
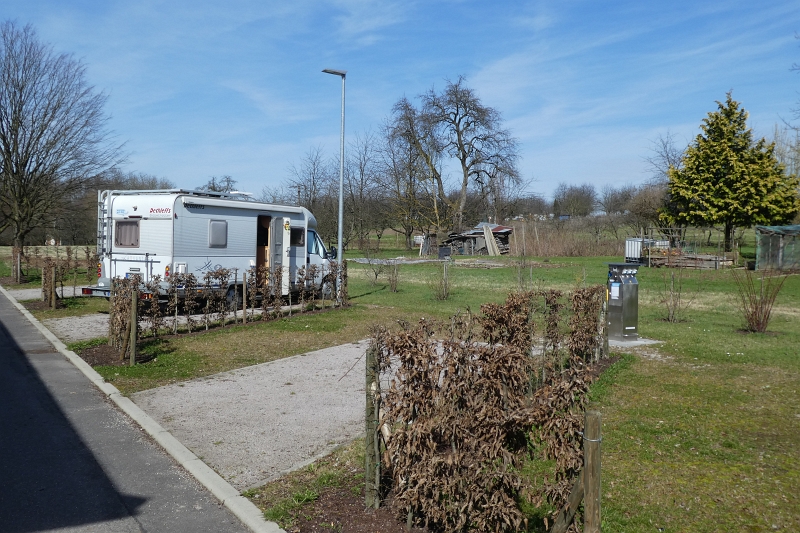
x: 778, y: 247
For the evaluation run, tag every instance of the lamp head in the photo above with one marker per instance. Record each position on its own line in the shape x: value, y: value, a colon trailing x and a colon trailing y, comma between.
x: 342, y: 73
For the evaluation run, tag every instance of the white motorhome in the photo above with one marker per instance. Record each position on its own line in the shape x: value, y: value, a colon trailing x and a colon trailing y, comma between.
x: 177, y: 231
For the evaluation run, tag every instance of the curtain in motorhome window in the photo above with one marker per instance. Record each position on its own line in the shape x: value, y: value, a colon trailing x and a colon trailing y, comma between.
x: 126, y: 234
x: 297, y: 237
x: 218, y: 233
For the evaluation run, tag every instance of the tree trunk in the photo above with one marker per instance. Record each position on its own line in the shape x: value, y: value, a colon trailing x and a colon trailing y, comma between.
x: 729, y: 229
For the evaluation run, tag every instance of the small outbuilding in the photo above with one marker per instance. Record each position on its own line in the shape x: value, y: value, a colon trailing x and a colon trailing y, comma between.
x: 484, y: 239
x: 778, y: 247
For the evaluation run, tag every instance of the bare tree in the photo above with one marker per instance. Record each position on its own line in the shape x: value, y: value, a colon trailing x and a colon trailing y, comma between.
x: 314, y: 184
x: 310, y: 179
x: 645, y: 206
x: 53, y: 136
x: 533, y: 204
x: 665, y: 155
x: 455, y: 124
x: 614, y: 201
x: 472, y: 134
x: 574, y: 200
x: 276, y: 195
x: 418, y: 131
x: 787, y: 149
x: 116, y: 179
x: 402, y: 171
x: 221, y: 184
x: 361, y: 186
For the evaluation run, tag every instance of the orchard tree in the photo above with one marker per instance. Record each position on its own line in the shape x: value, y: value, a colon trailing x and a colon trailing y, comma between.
x: 402, y: 171
x: 614, y: 201
x: 222, y: 184
x: 362, y: 195
x: 455, y: 123
x: 415, y: 130
x: 472, y: 134
x: 664, y: 155
x: 730, y: 180
x: 574, y: 200
x: 53, y: 137
x: 645, y: 207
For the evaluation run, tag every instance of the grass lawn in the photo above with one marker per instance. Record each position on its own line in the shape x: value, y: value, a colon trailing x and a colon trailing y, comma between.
x: 71, y: 306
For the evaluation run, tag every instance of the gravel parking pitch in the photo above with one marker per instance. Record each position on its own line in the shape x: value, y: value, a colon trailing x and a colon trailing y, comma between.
x: 254, y: 424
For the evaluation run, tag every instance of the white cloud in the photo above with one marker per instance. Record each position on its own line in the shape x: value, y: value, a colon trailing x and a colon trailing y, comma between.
x: 364, y: 21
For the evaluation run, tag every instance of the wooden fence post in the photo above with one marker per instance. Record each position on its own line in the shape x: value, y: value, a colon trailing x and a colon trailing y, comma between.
x: 134, y: 323
x: 244, y: 297
x: 591, y: 472
x: 177, y: 302
x: 372, y: 472
x: 235, y: 307
x: 111, y: 311
x: 53, y: 286
x: 564, y: 518
x: 587, y: 486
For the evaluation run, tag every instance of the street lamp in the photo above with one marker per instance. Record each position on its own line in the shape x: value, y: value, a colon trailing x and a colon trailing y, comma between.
x: 343, y: 74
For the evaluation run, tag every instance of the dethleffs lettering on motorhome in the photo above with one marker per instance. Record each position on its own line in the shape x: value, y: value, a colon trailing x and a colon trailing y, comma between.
x: 158, y: 232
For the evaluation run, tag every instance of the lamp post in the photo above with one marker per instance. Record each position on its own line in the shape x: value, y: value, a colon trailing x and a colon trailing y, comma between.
x: 343, y: 74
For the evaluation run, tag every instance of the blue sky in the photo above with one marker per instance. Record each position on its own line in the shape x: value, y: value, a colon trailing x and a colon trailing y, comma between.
x: 199, y: 89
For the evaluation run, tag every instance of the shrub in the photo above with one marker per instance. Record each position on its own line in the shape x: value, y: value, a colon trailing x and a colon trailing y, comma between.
x: 757, y: 298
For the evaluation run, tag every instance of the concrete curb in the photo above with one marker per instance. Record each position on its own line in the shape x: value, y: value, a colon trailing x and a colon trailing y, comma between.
x: 250, y: 515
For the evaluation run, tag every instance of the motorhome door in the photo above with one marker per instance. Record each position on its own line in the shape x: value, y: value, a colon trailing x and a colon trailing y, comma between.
x: 279, y: 249
x: 262, y: 244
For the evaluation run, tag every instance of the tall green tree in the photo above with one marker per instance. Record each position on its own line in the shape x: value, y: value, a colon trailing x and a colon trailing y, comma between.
x: 730, y: 180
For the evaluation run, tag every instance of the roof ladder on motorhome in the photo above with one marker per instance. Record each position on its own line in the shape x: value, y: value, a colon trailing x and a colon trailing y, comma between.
x: 102, y: 224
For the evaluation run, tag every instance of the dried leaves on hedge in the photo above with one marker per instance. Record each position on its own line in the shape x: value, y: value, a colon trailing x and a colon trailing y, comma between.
x: 466, y: 407
x: 455, y: 454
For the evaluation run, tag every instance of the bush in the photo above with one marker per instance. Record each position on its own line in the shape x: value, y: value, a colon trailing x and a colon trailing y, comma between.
x: 466, y: 409
x: 757, y: 298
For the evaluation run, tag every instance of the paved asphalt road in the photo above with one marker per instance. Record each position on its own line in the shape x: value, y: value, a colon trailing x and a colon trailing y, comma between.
x: 69, y: 460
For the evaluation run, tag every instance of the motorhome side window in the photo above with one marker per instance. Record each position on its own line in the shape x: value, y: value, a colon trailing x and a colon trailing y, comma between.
x: 126, y: 233
x: 297, y: 237
x: 218, y: 233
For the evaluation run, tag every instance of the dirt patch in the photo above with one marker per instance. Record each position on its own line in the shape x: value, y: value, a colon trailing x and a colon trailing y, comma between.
x: 339, y: 509
x: 102, y: 354
x: 601, y: 366
x: 41, y: 305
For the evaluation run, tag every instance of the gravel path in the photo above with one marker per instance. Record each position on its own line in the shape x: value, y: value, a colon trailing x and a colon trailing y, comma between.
x: 69, y: 329
x: 254, y: 424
